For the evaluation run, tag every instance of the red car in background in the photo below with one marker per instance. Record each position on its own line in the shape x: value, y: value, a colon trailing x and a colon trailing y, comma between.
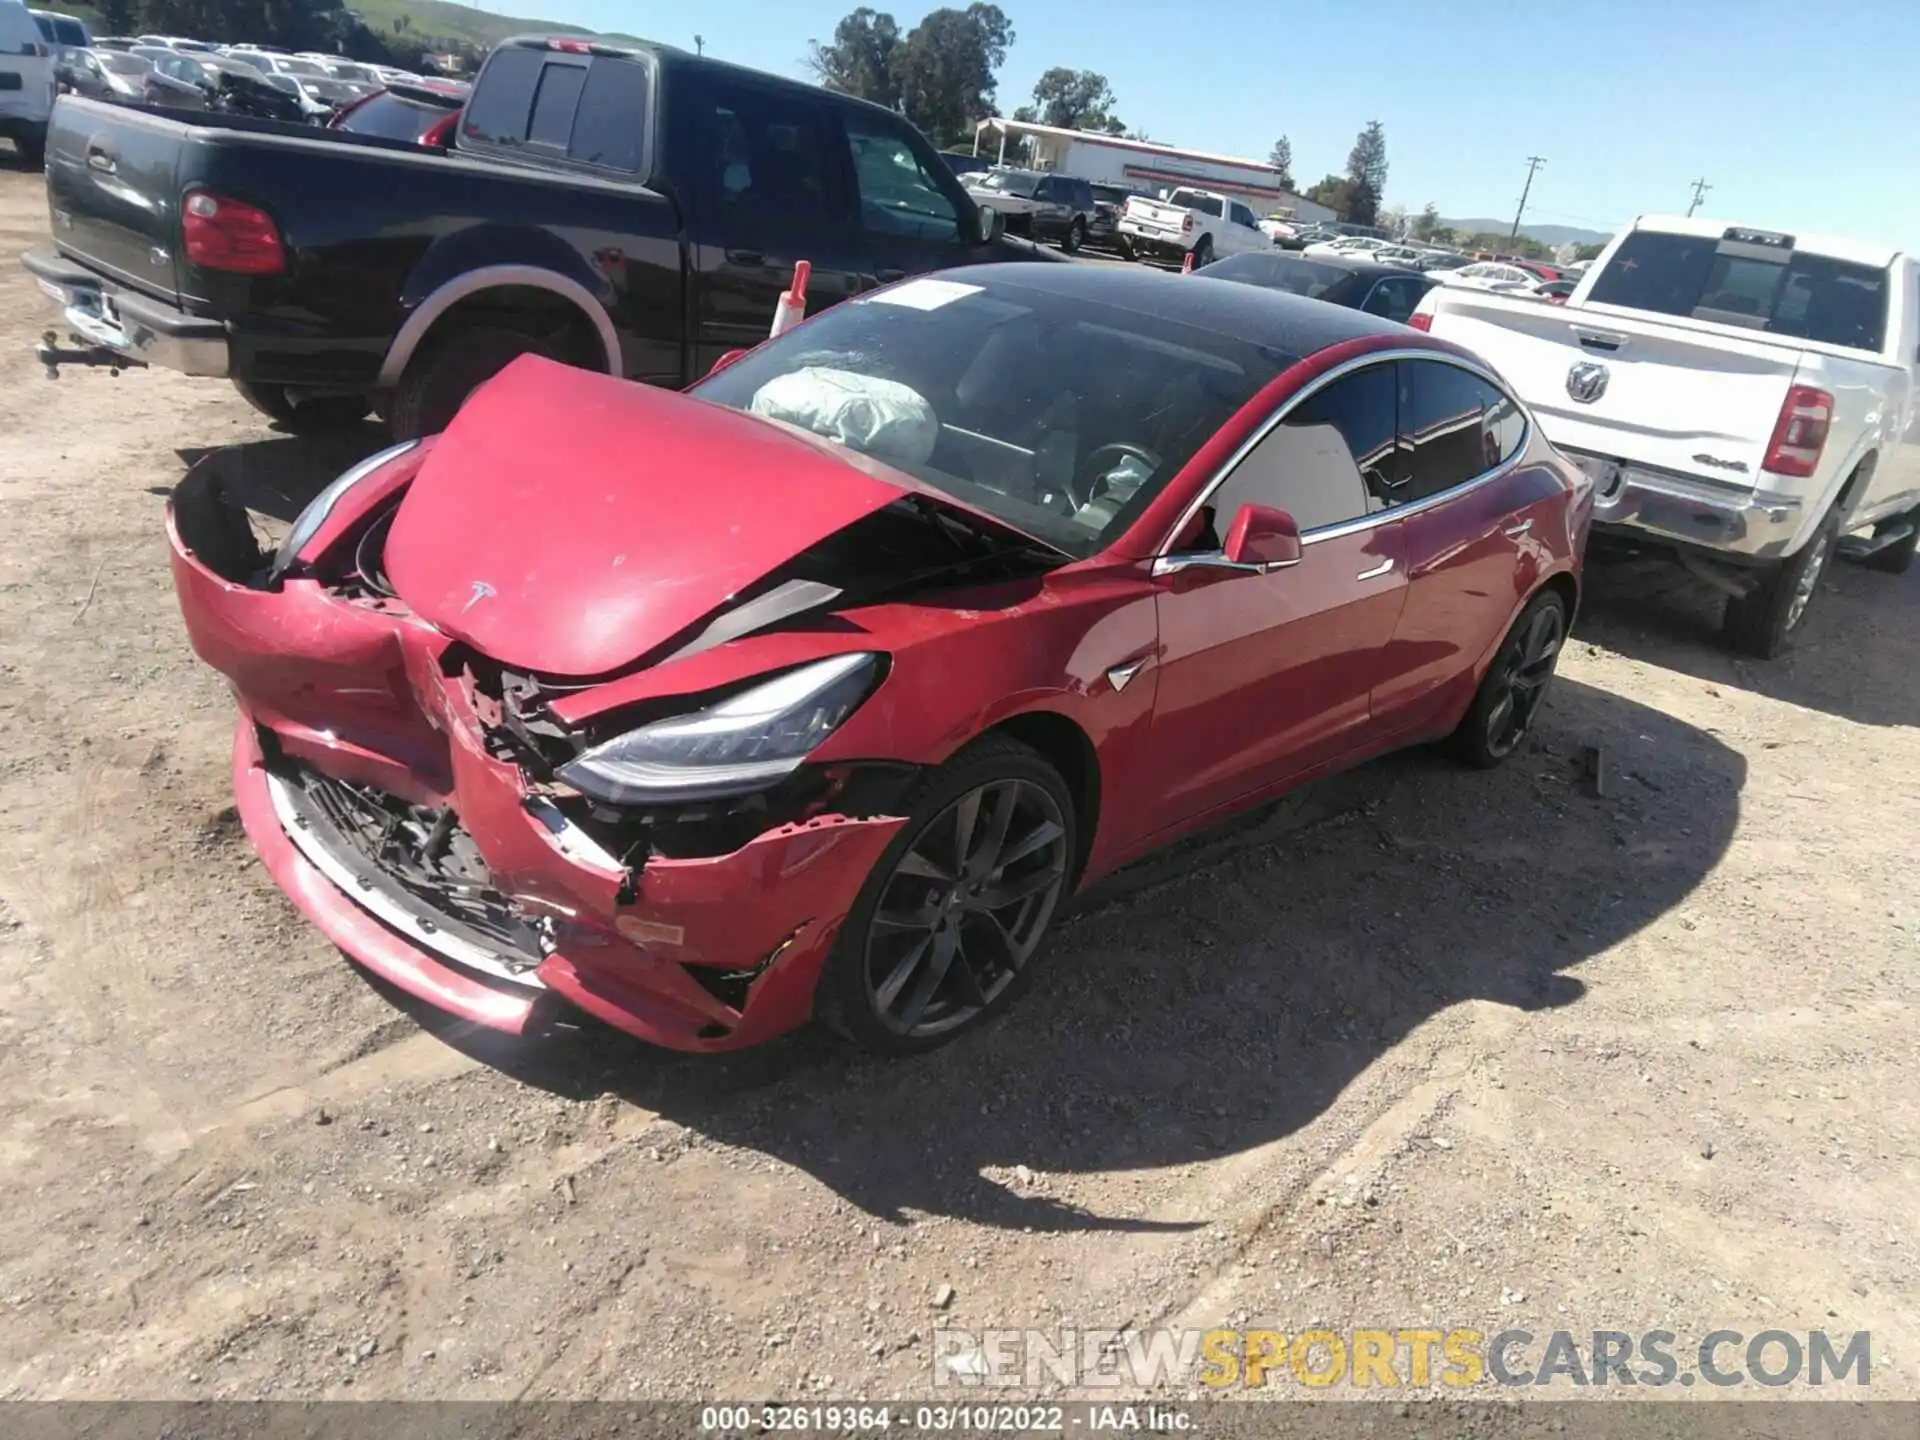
x: 815, y: 691
x: 423, y: 111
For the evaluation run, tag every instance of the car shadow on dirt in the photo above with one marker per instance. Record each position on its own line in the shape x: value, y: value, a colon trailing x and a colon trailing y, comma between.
x: 1857, y: 655
x: 276, y: 477
x: 1222, y: 996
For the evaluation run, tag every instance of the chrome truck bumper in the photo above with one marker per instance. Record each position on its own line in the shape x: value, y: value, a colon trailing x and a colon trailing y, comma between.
x: 1734, y: 521
x: 121, y: 329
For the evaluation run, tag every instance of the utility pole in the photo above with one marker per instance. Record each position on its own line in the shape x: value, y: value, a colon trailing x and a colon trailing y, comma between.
x: 1534, y: 162
x: 1700, y: 188
x: 699, y: 45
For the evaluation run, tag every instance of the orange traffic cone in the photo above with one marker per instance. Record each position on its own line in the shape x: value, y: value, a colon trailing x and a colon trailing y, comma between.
x: 792, y: 306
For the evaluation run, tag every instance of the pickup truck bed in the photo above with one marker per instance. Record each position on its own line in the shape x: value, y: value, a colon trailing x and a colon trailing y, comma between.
x: 643, y: 223
x: 1744, y: 398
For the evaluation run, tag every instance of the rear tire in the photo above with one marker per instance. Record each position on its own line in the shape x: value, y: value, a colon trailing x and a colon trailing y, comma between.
x: 1762, y: 624
x: 33, y: 151
x: 447, y: 370
x: 1897, y: 558
x: 312, y: 415
x: 1515, y: 685
x: 852, y: 995
x: 1203, y: 253
x: 1075, y: 237
x: 1125, y: 248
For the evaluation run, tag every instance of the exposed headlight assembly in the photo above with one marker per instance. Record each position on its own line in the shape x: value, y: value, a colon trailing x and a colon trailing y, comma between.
x: 742, y: 744
x: 321, y: 506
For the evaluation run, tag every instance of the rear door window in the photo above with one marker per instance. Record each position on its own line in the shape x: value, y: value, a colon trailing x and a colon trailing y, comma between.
x: 1751, y: 279
x: 1454, y: 426
x: 765, y: 157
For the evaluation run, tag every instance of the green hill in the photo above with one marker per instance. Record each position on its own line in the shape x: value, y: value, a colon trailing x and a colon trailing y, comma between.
x: 439, y: 19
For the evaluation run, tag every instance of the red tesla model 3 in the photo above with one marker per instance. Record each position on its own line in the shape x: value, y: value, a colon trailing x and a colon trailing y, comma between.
x: 817, y: 690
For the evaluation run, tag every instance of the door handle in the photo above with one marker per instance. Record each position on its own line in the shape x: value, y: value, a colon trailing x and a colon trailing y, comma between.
x: 99, y: 159
x: 746, y: 257
x: 1377, y: 571
x: 889, y: 275
x: 1516, y: 531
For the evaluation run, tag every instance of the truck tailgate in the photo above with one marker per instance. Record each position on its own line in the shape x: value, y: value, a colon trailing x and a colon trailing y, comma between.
x: 113, y: 189
x: 1157, y: 214
x: 1618, y: 386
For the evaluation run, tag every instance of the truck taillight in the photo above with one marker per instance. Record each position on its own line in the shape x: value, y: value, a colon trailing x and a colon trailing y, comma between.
x: 223, y: 234
x: 1800, y: 434
x: 1421, y: 320
x: 1186, y: 222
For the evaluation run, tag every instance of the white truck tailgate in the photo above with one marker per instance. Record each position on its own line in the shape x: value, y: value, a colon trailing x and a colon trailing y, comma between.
x: 1660, y: 397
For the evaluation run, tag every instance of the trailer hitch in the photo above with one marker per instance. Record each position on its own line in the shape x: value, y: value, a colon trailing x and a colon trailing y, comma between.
x: 49, y: 353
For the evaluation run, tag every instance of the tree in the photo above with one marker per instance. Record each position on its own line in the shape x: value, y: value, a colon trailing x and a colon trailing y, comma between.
x: 863, y: 60
x: 1393, y: 220
x: 1588, y: 252
x: 945, y: 69
x: 1336, y: 193
x: 1281, y: 158
x: 1426, y: 225
x: 1073, y: 100
x: 120, y: 17
x: 1367, y: 173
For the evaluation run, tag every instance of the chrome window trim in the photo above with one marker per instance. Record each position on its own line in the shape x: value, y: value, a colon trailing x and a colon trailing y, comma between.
x: 1376, y: 517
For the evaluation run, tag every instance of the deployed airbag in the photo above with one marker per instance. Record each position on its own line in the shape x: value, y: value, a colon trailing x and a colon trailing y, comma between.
x: 881, y: 418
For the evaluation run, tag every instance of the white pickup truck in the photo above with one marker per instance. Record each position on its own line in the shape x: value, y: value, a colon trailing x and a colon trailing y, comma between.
x: 1200, y: 223
x: 1744, y: 398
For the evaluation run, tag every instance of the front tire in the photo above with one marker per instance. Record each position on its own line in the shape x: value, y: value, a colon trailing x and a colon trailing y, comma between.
x: 1762, y: 624
x: 945, y: 929
x: 1510, y: 693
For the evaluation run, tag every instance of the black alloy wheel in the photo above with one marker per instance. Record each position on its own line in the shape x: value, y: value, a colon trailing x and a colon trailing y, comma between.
x: 1516, y: 682
x: 949, y: 921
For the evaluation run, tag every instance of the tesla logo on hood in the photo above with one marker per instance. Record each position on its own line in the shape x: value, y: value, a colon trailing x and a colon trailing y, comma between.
x: 1587, y: 382
x: 481, y: 591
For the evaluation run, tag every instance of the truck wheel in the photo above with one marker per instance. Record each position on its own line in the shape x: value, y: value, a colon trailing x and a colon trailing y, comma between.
x: 1762, y: 624
x: 1203, y: 253
x: 1075, y: 237
x: 449, y: 368
x: 1897, y: 558
x: 1125, y: 247
x: 312, y: 415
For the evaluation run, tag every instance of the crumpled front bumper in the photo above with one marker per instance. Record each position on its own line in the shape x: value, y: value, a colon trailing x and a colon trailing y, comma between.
x: 376, y: 697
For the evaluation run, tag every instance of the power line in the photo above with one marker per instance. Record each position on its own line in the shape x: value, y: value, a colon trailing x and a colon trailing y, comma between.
x: 1700, y: 188
x: 1534, y: 162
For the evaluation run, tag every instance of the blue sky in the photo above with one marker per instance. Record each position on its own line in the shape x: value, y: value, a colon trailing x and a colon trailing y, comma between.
x: 1801, y: 114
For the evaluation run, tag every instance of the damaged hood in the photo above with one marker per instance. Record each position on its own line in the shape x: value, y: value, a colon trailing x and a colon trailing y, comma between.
x: 568, y: 523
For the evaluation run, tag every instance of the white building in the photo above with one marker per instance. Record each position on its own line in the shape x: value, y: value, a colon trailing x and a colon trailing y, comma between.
x: 1143, y: 164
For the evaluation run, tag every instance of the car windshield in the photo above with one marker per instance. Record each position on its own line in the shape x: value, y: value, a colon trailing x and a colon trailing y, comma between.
x: 1057, y: 414
x: 1279, y: 272
x: 299, y: 67
x: 1751, y: 281
x: 124, y: 64
x: 1111, y: 194
x: 1011, y: 182
x: 358, y: 73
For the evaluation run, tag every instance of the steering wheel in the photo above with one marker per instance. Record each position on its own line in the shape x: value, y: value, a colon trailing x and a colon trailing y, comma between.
x: 1090, y: 473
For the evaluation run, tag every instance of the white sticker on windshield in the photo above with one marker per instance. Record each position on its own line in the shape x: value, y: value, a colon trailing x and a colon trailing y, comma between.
x: 925, y: 294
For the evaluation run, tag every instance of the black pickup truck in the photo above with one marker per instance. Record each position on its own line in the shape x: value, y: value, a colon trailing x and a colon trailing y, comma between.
x: 631, y: 209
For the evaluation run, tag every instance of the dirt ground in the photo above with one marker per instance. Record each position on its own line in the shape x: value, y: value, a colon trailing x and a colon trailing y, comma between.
x: 1428, y: 1047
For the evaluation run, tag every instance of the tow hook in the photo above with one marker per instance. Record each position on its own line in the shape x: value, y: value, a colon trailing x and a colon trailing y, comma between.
x: 52, y: 357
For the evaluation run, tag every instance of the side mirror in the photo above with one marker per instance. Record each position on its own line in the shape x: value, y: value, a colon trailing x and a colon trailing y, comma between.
x: 727, y: 359
x: 988, y: 224
x: 1261, y: 535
